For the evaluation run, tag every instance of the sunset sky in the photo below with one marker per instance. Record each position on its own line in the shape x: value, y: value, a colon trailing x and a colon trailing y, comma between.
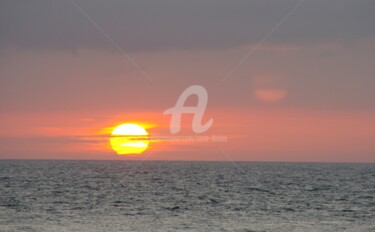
x: 286, y: 80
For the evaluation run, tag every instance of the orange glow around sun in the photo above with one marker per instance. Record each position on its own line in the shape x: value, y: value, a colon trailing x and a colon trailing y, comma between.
x: 129, y: 139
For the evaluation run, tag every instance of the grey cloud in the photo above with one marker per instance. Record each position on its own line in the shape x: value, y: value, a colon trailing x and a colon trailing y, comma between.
x: 140, y: 25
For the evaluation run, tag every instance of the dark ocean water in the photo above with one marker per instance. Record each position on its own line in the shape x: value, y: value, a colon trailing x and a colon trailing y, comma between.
x: 185, y: 196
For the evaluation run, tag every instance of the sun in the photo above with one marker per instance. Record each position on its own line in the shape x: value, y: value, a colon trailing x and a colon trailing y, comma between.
x: 129, y: 139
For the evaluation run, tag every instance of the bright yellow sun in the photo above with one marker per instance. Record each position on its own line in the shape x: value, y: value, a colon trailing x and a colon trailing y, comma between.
x: 129, y: 139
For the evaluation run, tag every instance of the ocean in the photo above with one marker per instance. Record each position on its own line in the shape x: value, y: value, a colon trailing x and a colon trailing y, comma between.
x: 185, y: 196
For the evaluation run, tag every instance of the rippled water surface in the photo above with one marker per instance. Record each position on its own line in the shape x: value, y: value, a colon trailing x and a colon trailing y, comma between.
x: 185, y: 196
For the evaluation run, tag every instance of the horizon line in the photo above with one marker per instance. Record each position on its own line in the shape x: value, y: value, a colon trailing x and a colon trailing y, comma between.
x: 197, y: 161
